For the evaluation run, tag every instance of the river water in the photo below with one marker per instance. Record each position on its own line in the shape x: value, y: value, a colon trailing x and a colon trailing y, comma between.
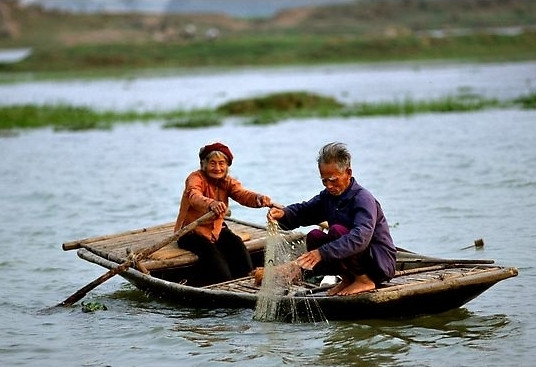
x: 234, y: 8
x: 444, y: 180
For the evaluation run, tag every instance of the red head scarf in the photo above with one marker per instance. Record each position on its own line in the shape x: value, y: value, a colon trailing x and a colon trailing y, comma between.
x: 207, y: 149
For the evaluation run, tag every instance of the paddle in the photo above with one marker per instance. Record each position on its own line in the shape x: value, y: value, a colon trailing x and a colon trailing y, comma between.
x: 134, y: 259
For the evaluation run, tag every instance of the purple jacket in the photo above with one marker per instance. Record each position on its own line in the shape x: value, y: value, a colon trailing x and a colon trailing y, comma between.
x: 355, y: 209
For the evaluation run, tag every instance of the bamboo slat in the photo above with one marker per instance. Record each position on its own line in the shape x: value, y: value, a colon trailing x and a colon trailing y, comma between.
x: 73, y: 245
x: 114, y: 247
x: 427, y: 277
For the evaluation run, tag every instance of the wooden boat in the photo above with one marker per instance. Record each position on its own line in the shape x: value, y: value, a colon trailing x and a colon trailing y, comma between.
x: 422, y: 285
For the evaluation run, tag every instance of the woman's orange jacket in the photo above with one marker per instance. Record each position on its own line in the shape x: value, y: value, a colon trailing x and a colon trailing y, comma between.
x: 200, y: 191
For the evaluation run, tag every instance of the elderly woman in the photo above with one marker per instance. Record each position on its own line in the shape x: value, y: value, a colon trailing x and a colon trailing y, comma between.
x: 222, y: 254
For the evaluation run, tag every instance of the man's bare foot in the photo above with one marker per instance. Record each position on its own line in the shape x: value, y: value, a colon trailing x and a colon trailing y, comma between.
x: 258, y: 274
x: 284, y: 274
x: 288, y: 273
x: 361, y: 283
x: 345, y: 282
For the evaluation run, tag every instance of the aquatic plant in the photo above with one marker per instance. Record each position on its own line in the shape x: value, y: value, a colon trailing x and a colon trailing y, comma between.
x: 93, y: 306
x: 280, y: 102
x: 195, y: 120
x: 73, y: 118
x: 527, y: 101
x: 262, y: 110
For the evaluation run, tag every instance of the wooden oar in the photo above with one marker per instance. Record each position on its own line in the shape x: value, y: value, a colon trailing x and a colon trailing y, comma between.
x: 133, y: 259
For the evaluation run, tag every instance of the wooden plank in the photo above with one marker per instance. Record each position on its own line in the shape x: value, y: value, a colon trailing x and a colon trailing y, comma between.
x: 114, y: 247
x: 73, y: 245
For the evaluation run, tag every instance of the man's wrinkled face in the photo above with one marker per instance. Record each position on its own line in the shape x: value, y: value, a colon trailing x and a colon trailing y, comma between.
x: 333, y: 179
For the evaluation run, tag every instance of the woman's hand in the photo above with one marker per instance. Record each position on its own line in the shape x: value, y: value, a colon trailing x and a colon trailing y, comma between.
x: 263, y: 201
x: 218, y: 207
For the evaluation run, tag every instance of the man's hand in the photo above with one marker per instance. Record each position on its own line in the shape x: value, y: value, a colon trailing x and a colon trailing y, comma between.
x: 308, y: 260
x: 274, y: 214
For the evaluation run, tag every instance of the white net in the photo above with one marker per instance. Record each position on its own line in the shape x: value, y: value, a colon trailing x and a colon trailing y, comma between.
x: 281, y: 275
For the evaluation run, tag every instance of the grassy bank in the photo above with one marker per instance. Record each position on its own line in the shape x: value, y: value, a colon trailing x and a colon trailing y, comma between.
x: 273, y: 51
x: 257, y: 111
x: 369, y: 30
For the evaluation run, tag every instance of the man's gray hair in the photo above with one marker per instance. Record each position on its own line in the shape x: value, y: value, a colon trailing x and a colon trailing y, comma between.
x: 335, y: 153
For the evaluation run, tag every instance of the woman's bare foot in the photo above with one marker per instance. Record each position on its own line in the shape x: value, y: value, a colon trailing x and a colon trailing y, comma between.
x: 361, y: 283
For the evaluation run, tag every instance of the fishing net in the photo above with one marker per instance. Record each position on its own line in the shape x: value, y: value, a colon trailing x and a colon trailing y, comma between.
x: 281, y: 278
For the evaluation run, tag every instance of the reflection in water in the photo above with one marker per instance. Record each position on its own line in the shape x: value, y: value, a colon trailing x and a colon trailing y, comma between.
x: 398, y: 342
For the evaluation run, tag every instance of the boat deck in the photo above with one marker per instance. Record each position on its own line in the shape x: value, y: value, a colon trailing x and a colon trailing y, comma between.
x: 414, y: 278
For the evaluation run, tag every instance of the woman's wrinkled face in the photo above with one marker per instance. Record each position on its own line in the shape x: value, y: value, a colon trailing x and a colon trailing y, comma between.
x: 333, y: 179
x: 217, y: 167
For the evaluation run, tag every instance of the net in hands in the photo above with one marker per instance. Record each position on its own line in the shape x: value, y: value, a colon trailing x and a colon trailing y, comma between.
x: 281, y: 279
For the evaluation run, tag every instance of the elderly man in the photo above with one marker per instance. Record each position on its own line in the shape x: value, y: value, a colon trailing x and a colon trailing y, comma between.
x: 357, y: 245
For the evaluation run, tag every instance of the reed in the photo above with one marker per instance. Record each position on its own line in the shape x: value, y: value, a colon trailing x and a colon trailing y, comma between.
x: 408, y: 106
x: 281, y: 102
x: 262, y: 110
x: 195, y: 120
x: 527, y: 101
x: 66, y: 117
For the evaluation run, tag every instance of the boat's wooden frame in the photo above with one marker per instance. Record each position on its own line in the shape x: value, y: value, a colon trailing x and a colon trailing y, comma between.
x: 422, y: 285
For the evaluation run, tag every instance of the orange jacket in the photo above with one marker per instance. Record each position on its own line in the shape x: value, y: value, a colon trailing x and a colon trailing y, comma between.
x: 200, y: 191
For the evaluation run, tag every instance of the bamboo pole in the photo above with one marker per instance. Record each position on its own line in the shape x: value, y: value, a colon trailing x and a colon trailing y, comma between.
x: 135, y: 258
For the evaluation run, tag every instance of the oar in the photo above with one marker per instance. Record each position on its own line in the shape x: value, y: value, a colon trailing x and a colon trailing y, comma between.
x: 133, y: 259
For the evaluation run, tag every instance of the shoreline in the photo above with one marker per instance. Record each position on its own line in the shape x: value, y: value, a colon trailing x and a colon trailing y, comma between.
x: 367, y: 31
x: 7, y: 78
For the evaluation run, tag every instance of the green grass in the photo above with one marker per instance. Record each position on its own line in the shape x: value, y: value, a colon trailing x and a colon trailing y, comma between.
x: 408, y: 106
x: 70, y: 45
x: 195, y: 120
x: 255, y: 111
x: 65, y: 117
x: 273, y: 51
x: 280, y: 102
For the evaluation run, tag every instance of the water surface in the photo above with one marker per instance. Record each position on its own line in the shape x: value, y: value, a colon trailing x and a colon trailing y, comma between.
x: 443, y: 181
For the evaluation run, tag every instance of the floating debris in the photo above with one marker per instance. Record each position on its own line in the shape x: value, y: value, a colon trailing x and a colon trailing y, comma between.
x: 93, y: 306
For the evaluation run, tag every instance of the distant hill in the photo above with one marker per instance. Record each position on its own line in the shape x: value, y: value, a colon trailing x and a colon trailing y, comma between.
x: 358, y: 31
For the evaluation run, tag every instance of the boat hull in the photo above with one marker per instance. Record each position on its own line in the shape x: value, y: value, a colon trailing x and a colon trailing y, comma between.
x: 447, y: 288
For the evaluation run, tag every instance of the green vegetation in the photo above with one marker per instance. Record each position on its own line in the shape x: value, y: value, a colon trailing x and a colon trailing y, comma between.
x: 84, y: 45
x: 285, y: 101
x: 93, y: 307
x: 456, y: 103
x: 255, y: 111
x: 294, y: 50
x: 279, y: 106
x: 528, y: 101
x: 64, y: 117
x: 196, y: 119
x: 365, y: 31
